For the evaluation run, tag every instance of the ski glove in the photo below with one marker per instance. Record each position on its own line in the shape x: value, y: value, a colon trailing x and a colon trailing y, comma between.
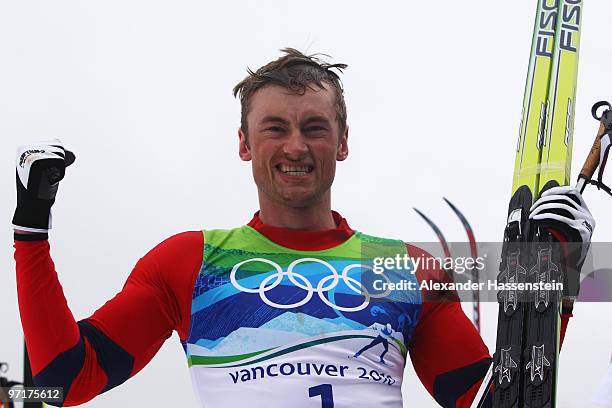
x: 40, y: 167
x: 563, y: 211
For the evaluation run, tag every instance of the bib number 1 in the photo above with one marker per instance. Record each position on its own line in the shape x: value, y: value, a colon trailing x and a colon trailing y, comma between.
x: 325, y: 392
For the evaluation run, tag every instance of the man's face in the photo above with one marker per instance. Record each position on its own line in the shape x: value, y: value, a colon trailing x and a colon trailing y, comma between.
x: 293, y: 142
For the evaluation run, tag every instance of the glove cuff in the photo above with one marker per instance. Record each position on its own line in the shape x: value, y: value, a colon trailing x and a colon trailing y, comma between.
x: 32, y: 230
x: 31, y: 237
x: 33, y: 216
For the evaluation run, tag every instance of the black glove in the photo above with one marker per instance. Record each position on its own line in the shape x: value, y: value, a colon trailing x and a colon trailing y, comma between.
x: 40, y: 168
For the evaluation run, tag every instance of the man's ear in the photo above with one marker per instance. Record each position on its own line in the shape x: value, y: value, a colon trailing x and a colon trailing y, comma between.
x: 244, y: 150
x: 343, y: 149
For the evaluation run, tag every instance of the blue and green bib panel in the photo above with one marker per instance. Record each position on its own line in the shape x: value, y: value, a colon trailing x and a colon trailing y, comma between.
x: 275, y: 327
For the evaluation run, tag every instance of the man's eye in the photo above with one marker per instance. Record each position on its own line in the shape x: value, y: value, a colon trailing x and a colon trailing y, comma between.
x: 275, y: 129
x: 312, y: 129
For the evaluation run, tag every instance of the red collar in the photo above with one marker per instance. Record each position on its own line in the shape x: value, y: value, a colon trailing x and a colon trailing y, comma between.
x: 303, y: 240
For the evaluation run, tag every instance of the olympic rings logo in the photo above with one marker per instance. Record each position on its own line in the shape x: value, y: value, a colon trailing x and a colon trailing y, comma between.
x: 326, y: 284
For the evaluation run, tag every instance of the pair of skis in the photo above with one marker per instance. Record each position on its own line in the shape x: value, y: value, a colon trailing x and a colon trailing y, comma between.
x: 525, y: 363
x: 447, y: 254
x: 528, y: 330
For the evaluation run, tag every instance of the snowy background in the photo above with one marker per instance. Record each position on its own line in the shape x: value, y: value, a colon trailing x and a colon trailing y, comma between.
x: 141, y: 91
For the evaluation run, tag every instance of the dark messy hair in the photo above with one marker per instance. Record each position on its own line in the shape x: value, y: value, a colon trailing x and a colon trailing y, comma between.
x: 296, y: 72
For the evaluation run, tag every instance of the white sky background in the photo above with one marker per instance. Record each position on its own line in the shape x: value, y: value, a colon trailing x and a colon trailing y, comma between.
x: 141, y: 92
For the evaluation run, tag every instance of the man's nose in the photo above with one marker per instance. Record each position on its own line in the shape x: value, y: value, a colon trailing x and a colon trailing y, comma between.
x: 295, y: 146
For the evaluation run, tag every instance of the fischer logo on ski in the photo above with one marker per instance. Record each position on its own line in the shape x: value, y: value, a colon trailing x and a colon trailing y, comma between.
x: 570, y: 25
x: 546, y: 32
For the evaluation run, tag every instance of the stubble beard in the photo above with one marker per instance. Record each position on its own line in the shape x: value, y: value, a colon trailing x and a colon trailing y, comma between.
x: 298, y: 200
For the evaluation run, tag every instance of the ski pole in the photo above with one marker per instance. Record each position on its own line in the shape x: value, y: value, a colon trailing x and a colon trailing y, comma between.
x: 598, y: 155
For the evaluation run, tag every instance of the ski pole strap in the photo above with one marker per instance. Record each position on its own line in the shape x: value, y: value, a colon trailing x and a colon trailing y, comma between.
x: 598, y: 156
x: 600, y: 186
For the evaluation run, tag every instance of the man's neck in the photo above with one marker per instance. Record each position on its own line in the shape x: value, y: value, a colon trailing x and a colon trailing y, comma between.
x: 312, y: 218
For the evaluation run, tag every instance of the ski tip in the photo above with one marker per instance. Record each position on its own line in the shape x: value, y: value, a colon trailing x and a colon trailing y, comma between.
x: 449, y: 203
x: 456, y: 211
x: 419, y: 212
x: 426, y: 218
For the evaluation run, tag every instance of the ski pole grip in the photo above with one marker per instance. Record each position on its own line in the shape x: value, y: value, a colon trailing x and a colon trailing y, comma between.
x: 592, y: 160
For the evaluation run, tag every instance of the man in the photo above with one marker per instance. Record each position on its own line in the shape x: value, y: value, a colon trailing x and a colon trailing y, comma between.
x: 270, y: 313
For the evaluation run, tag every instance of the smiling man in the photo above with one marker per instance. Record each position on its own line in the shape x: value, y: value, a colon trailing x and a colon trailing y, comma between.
x: 273, y: 313
x: 293, y: 133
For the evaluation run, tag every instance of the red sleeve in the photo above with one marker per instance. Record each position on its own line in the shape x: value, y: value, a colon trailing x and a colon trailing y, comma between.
x: 447, y: 351
x: 93, y: 355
